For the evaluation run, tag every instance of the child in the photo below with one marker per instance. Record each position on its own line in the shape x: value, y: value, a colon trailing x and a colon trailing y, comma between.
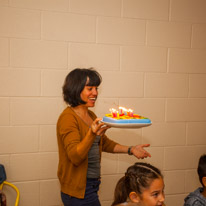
x: 198, y: 197
x: 142, y: 185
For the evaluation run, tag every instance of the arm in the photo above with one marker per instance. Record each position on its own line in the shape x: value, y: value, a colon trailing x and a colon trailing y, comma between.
x: 96, y: 129
x: 138, y: 150
x: 74, y: 141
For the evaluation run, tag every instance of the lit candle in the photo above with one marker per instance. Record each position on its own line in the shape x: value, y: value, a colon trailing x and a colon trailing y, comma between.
x: 113, y: 112
x: 117, y: 114
x: 121, y: 110
x: 130, y: 112
x: 125, y: 111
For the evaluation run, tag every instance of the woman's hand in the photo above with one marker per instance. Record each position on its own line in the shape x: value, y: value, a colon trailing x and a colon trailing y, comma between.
x: 139, y: 152
x: 99, y: 128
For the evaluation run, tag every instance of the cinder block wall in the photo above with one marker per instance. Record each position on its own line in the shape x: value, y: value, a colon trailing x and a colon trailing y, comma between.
x: 152, y: 57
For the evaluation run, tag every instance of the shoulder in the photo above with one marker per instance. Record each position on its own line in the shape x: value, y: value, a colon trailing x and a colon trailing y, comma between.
x: 193, y: 202
x: 67, y: 115
x: 67, y: 111
x: 195, y: 199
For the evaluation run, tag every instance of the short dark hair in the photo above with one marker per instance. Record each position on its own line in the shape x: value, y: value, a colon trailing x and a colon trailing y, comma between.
x: 75, y: 82
x: 201, y: 170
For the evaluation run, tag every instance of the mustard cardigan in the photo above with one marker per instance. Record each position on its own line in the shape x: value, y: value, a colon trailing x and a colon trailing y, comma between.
x: 72, y: 168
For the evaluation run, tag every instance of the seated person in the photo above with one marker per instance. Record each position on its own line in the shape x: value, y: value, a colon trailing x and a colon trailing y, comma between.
x: 142, y: 185
x: 198, y: 197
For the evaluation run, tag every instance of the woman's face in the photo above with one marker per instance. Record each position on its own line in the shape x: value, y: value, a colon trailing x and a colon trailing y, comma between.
x: 89, y: 95
x: 154, y: 195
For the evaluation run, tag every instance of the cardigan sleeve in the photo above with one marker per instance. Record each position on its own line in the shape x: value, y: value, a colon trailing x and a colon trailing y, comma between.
x: 108, y: 144
x: 68, y: 129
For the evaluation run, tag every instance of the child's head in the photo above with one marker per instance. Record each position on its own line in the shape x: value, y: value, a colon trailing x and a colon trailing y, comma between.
x: 142, y: 183
x: 202, y: 170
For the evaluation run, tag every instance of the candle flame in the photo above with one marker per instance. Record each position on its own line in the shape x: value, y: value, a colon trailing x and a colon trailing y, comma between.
x: 122, y: 110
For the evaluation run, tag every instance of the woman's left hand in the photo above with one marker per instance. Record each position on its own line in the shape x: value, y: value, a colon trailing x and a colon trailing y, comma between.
x: 139, y: 152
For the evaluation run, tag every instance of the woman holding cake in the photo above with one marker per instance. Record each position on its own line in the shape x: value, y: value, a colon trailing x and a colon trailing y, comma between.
x: 81, y: 140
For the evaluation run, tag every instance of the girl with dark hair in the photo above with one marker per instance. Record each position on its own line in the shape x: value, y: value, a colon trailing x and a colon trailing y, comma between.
x: 81, y: 140
x: 142, y: 185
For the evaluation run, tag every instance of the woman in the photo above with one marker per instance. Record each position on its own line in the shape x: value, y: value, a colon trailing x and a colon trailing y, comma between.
x: 81, y: 139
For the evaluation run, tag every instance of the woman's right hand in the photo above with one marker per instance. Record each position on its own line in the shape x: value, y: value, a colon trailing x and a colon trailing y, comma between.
x: 99, y: 128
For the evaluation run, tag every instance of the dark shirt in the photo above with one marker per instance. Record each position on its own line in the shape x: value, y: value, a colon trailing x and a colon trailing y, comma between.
x: 94, y: 159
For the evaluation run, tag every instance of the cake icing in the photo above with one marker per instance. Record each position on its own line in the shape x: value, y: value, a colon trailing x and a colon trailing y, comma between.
x: 125, y: 119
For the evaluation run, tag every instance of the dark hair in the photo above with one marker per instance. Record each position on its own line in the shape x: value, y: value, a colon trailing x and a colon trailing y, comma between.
x: 201, y: 170
x: 137, y: 178
x: 75, y: 82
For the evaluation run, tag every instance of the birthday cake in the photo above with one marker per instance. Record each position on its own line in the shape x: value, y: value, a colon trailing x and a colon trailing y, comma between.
x: 124, y: 117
